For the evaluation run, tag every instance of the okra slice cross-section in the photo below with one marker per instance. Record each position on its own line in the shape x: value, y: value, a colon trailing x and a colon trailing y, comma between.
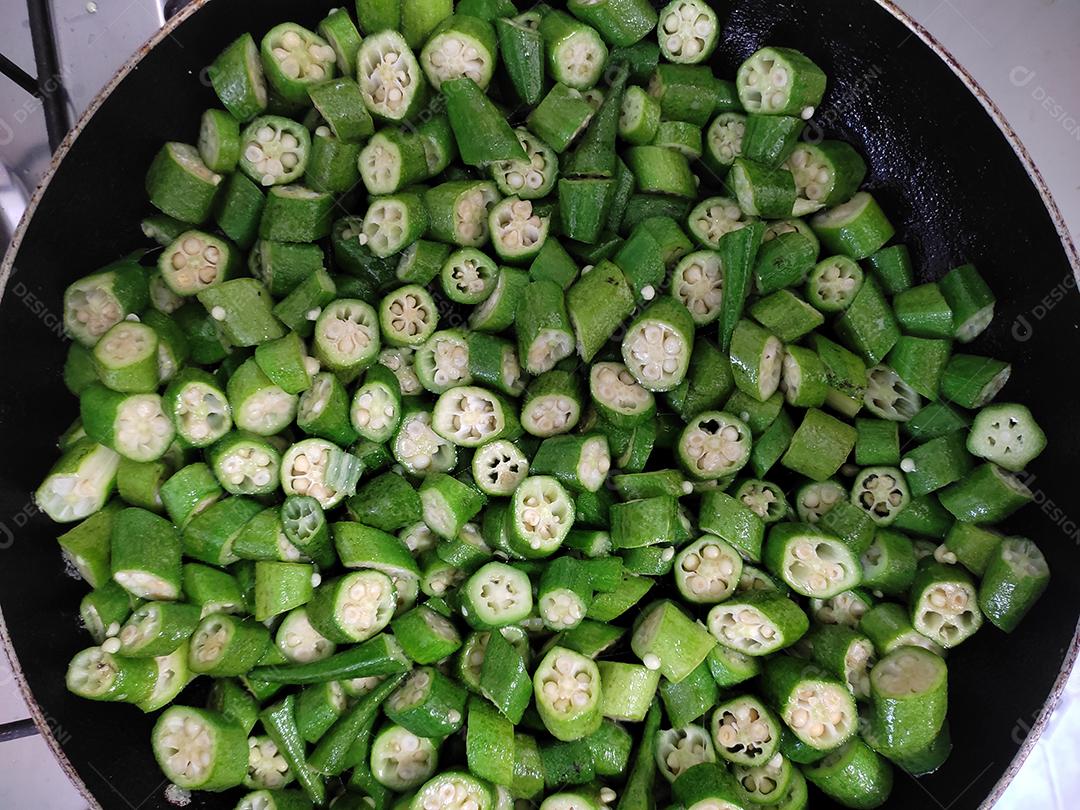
x: 688, y: 31
x: 780, y: 81
x: 469, y: 416
x: 758, y: 623
x: 274, y: 150
x: 541, y: 514
x: 944, y: 604
x: 568, y: 694
x: 881, y: 492
x: 714, y: 444
x: 198, y: 407
x: 677, y: 750
x: 745, y: 731
x: 193, y: 261
x: 408, y: 316
x: 698, y: 284
x: 618, y: 396
x: 818, y: 709
x: 199, y: 749
x: 419, y: 449
x: 453, y: 790
x: 347, y: 336
x: 812, y: 562
x: 389, y: 76
x: 656, y: 347
x: 319, y: 469
x: 401, y: 760
x: 462, y: 45
x: 707, y: 571
x: 295, y: 58
x: 498, y: 466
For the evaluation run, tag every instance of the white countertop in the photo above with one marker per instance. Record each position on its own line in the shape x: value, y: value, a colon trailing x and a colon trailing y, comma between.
x: 1025, y: 54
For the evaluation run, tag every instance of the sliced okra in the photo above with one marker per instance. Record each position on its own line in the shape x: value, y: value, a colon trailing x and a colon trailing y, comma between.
x: 970, y: 300
x: 482, y: 133
x: 678, y: 750
x: 145, y: 555
x: 419, y: 449
x: 298, y: 640
x: 318, y: 707
x: 408, y: 316
x: 425, y: 636
x: 353, y: 607
x: 245, y: 464
x: 493, y: 361
x: 179, y: 184
x: 681, y: 136
x: 346, y: 339
x: 658, y: 170
x: 936, y: 463
x: 219, y: 141
x: 323, y: 410
x: 564, y: 593
x: 856, y: 228
x: 299, y: 309
x: 1016, y: 575
x: 543, y: 327
x: 401, y: 760
x: 1007, y: 435
x: 529, y: 179
x: 732, y: 520
x: 497, y: 311
x: 568, y: 694
x: 126, y: 358
x: 541, y: 513
x: 267, y: 769
x: 442, y: 362
x: 237, y: 212
x: 295, y: 58
x: 618, y: 397
x: 657, y: 345
x: 460, y: 46
x: 882, y: 492
x: 853, y: 773
x: 394, y: 222
x: 833, y: 283
x: 908, y: 690
x: 496, y: 595
x: 575, y: 52
x: 826, y: 174
x: 707, y: 570
x: 453, y: 789
x: 780, y: 81
x: 888, y: 396
x: 688, y: 31
x: 517, y: 231
x: 889, y: 626
x: 448, y: 504
x: 580, y: 462
x: 944, y: 604
x: 333, y: 164
x: 224, y: 645
x: 285, y: 361
x: 468, y: 275
x: 669, y: 641
x: 521, y: 50
x: 810, y: 561
x: 758, y: 623
x: 560, y: 117
x: 846, y: 654
x: 390, y: 77
x: 391, y: 160
x: 340, y: 33
x: 756, y: 360
x: 971, y: 381
x: 134, y: 425
x: 458, y: 211
x: 421, y: 262
x: 639, y: 117
x: 714, y: 445
x: 552, y: 404
x: 198, y: 749
x: 597, y: 303
x: 698, y: 283
x: 745, y: 731
x: 803, y: 378
x: 376, y: 405
x: 86, y: 546
x: 274, y: 150
x: 257, y: 404
x: 237, y: 77
x: 498, y: 466
x: 321, y: 470
x: 818, y: 709
x: 428, y: 703
x: 764, y: 498
x: 188, y: 492
x: 843, y: 609
x: 96, y: 674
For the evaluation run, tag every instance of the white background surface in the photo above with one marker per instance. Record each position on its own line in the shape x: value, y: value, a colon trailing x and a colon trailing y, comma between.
x: 1025, y: 53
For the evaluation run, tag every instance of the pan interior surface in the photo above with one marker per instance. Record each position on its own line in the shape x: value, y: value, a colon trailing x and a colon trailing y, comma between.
x: 952, y: 183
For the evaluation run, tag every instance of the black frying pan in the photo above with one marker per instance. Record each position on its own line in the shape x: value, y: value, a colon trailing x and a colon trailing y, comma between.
x: 955, y: 179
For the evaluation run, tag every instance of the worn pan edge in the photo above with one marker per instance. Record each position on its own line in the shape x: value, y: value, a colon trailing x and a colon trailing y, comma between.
x: 995, y: 113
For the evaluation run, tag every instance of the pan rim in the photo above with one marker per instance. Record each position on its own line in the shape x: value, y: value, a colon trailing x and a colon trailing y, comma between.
x: 988, y: 104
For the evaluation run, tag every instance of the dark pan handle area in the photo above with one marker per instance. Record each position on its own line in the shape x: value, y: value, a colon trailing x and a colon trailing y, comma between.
x: 941, y: 167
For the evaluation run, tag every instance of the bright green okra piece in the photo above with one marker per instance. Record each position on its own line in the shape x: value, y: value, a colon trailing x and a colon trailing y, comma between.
x: 668, y: 641
x: 568, y: 694
x: 820, y: 446
x: 135, y: 426
x: 481, y: 131
x: 658, y: 170
x: 810, y: 561
x: 560, y: 117
x: 145, y: 555
x: 222, y: 743
x: 296, y: 213
x: 908, y: 698
x: 575, y: 52
x: 971, y: 381
x: 1016, y: 575
x: 936, y: 464
x: 987, y: 494
x: 856, y: 228
x: 970, y: 300
x: 855, y: 775
x: 179, y: 184
x: 521, y: 49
